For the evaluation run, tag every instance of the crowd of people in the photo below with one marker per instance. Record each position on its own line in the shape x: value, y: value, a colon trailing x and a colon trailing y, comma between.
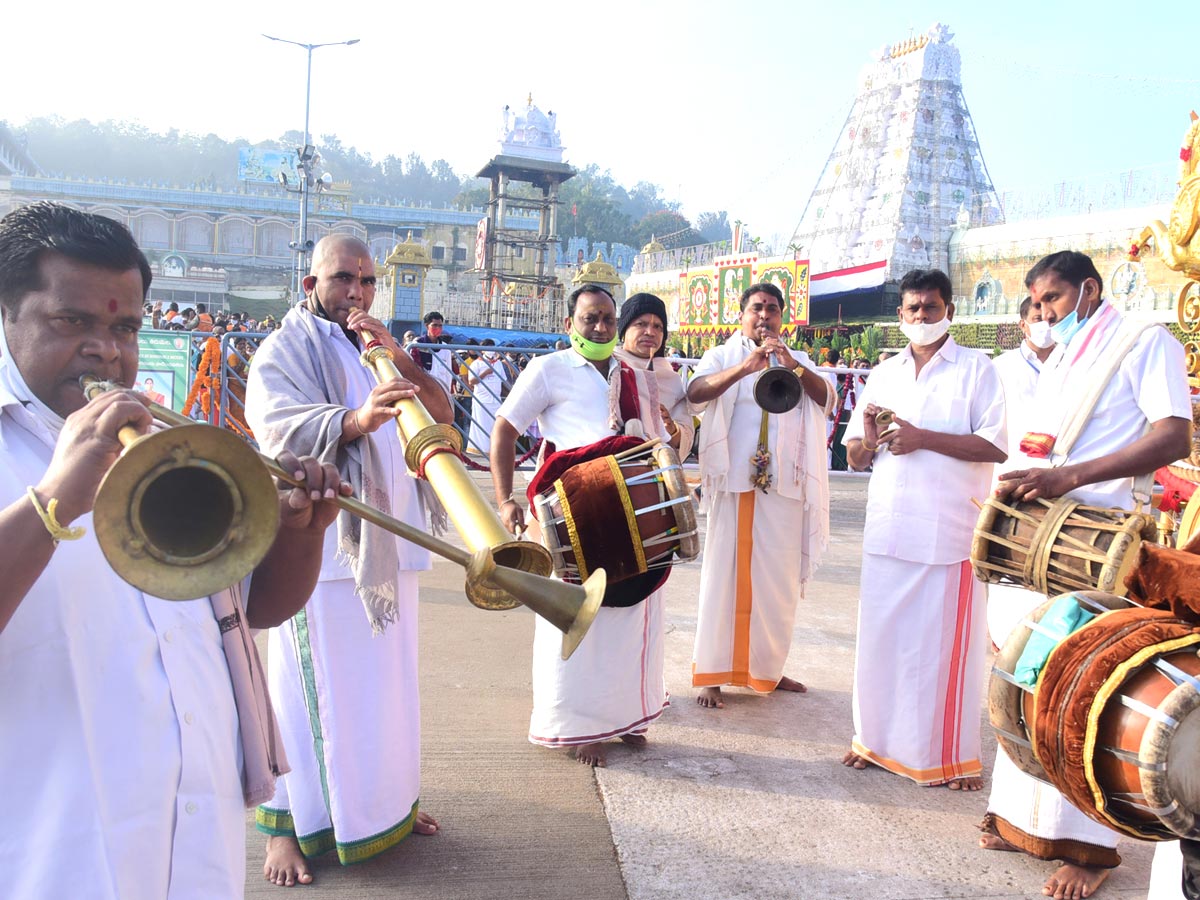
x: 144, y: 772
x: 170, y: 317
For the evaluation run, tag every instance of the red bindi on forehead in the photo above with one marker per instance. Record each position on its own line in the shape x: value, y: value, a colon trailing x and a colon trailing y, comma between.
x: 112, y: 306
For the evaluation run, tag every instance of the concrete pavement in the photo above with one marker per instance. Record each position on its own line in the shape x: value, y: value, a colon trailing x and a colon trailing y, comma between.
x: 746, y: 802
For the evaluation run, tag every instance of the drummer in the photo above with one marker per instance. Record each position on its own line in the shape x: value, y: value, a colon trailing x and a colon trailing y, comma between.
x: 1140, y: 422
x: 612, y: 686
x: 120, y: 768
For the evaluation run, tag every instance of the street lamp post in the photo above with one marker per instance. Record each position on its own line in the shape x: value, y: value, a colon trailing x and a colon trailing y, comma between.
x: 307, y: 158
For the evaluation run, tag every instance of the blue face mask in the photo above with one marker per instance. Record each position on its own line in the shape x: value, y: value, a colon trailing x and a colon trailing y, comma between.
x: 1068, y: 326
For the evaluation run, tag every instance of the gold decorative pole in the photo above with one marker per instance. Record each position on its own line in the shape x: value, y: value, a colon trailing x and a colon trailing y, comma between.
x: 432, y: 452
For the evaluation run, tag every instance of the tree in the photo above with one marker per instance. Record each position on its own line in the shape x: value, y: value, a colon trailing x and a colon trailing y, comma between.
x: 714, y: 226
x: 670, y: 228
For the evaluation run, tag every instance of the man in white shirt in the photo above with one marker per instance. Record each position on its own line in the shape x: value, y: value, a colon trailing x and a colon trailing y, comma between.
x: 133, y: 737
x: 919, y: 668
x: 1140, y: 422
x: 765, y: 485
x: 1019, y: 369
x: 612, y: 686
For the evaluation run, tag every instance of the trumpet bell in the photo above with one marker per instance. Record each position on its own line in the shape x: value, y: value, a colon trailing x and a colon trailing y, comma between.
x: 186, y: 512
x: 570, y: 608
x: 777, y: 390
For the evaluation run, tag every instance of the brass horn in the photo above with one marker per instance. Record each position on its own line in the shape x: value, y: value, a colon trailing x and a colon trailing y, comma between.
x: 434, y: 452
x: 210, y: 475
x: 777, y: 389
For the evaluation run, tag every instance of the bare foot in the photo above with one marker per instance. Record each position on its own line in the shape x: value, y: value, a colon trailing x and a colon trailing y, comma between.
x: 285, y: 865
x: 710, y: 698
x: 791, y: 684
x: 995, y: 842
x: 968, y: 783
x: 1073, y: 882
x: 854, y: 760
x: 635, y: 740
x: 592, y: 755
x: 425, y: 824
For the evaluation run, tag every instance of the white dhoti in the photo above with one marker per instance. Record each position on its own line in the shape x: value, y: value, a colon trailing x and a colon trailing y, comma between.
x: 484, y: 407
x: 351, y: 728
x: 1031, y: 814
x: 919, y: 669
x: 612, y: 684
x: 1166, y: 872
x: 749, y: 590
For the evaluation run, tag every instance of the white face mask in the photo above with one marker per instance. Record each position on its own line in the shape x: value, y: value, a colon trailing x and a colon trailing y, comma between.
x: 1040, y: 335
x: 925, y: 333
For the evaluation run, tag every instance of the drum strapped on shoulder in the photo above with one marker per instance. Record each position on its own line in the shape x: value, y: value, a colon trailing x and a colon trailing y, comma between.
x: 1054, y: 546
x: 628, y: 511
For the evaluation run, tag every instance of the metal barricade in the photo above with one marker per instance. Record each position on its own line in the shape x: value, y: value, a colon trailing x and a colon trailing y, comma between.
x: 474, y: 404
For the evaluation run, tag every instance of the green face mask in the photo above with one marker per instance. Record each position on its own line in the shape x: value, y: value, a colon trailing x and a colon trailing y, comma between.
x: 590, y: 349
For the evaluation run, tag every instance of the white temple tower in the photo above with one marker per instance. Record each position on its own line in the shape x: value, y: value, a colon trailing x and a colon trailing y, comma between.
x: 904, y: 171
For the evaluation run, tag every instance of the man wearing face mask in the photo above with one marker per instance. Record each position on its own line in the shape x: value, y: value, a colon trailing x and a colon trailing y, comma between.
x: 765, y: 487
x: 1111, y: 407
x: 612, y: 686
x: 919, y: 669
x: 1018, y: 370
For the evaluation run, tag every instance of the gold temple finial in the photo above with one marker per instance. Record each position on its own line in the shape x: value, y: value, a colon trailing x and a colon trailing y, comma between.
x: 529, y: 99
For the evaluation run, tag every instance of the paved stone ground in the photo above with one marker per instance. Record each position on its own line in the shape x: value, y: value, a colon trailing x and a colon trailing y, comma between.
x: 747, y: 802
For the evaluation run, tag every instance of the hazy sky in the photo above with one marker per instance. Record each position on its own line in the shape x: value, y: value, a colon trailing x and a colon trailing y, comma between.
x: 728, y: 105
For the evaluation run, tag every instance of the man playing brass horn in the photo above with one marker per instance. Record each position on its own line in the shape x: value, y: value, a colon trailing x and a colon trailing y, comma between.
x: 1105, y: 456
x: 122, y: 714
x: 357, y: 638
x: 766, y: 487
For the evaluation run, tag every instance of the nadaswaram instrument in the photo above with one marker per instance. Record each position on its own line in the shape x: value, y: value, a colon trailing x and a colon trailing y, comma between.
x: 434, y: 452
x: 188, y: 511
x: 777, y: 389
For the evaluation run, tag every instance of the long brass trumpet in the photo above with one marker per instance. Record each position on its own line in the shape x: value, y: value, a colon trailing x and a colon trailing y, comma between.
x: 777, y: 389
x: 433, y: 452
x: 224, y: 489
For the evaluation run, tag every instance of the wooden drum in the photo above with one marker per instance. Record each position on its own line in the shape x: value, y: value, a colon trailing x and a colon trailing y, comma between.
x: 1057, y: 546
x: 1011, y: 698
x: 1111, y: 719
x: 629, y: 513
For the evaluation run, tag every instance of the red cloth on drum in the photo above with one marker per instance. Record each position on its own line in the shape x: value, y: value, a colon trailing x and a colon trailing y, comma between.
x: 560, y: 460
x: 1166, y: 578
x: 1074, y: 674
x: 600, y: 522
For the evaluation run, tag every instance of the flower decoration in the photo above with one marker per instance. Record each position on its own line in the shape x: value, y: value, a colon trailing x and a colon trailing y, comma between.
x: 761, y: 460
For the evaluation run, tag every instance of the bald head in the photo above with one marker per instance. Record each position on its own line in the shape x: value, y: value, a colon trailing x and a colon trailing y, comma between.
x: 334, y: 244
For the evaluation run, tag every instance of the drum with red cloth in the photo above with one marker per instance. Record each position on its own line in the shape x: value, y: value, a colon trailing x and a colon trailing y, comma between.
x: 621, y: 505
x: 1111, y: 719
